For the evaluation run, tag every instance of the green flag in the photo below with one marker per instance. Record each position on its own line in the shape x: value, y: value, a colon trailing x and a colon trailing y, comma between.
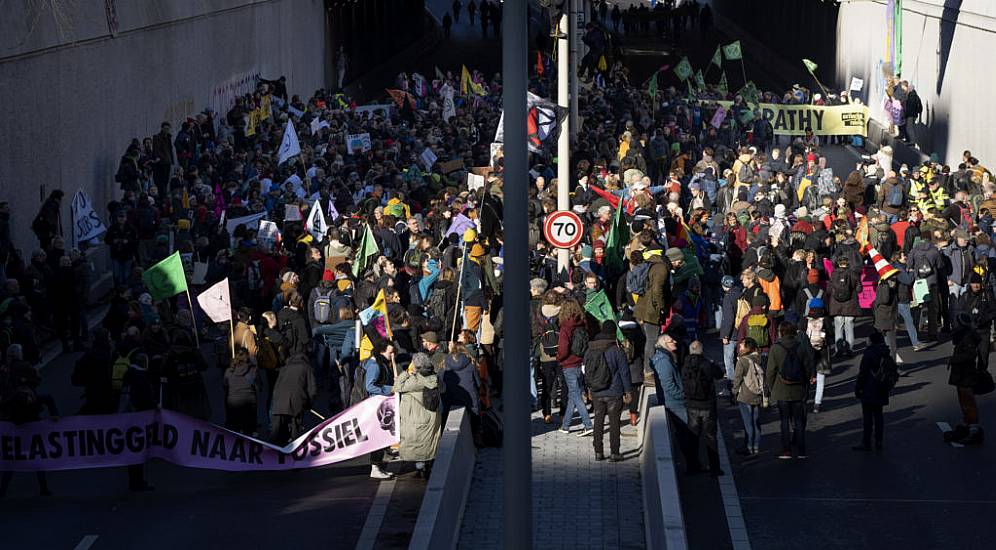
x: 684, y: 69
x: 750, y: 93
x: 691, y: 91
x: 810, y: 66
x: 616, y: 240
x: 652, y: 87
x: 732, y: 51
x: 723, y: 86
x: 166, y: 278
x: 699, y: 80
x: 717, y: 58
x: 367, y: 247
x: 598, y: 306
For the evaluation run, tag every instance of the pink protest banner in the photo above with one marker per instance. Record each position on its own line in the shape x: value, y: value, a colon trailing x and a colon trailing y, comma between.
x: 718, y: 118
x: 869, y: 282
x: 101, y: 441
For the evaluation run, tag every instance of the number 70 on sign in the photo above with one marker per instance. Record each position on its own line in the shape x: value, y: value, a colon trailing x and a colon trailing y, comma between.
x: 563, y: 229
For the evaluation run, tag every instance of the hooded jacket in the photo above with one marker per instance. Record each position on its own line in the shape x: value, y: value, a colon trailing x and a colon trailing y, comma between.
x: 615, y: 359
x: 653, y: 305
x: 565, y: 358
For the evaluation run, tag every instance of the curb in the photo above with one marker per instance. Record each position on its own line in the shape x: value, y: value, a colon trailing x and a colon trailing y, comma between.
x: 441, y: 513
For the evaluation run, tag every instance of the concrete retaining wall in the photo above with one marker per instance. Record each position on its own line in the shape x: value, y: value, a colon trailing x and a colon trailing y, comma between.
x: 662, y: 516
x: 75, y: 93
x: 441, y: 514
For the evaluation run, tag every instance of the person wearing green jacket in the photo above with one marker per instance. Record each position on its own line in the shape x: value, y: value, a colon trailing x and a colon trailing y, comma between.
x: 419, y: 412
x: 791, y: 369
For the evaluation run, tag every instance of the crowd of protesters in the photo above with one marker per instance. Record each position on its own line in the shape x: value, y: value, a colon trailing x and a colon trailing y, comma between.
x: 697, y: 237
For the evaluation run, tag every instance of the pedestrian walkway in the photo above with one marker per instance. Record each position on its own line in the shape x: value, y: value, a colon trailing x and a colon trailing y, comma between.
x: 577, y: 502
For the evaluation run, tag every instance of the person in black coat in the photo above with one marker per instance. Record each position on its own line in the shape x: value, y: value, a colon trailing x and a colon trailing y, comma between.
x: 292, y: 397
x: 293, y: 326
x: 48, y: 223
x: 872, y: 387
x: 610, y: 400
x: 698, y: 375
x: 241, y: 385
x: 93, y: 373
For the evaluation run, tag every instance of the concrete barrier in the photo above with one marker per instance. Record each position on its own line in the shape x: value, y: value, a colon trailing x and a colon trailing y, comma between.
x: 662, y: 516
x: 441, y: 514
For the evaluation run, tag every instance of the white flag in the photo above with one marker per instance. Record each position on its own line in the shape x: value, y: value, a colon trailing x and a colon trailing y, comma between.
x: 316, y: 125
x: 86, y: 224
x: 316, y: 224
x: 289, y: 146
x: 449, y: 108
x: 217, y: 302
x: 333, y: 212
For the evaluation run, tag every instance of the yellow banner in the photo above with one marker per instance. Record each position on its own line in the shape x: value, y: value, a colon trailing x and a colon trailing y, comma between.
x: 792, y: 120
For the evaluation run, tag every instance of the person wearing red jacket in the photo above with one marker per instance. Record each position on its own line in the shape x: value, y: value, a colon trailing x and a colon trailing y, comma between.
x: 572, y: 320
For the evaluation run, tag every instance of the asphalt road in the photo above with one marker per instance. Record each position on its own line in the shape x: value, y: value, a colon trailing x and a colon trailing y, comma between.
x: 324, y: 507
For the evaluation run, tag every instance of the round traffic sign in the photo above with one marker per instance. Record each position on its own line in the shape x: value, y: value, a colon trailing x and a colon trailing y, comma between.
x: 563, y: 229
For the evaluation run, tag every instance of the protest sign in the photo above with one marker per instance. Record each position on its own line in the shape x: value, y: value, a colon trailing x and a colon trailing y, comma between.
x: 718, y: 118
x: 792, y: 120
x: 428, y: 158
x: 357, y: 142
x: 292, y: 213
x: 316, y: 224
x: 856, y: 84
x: 86, y: 224
x: 474, y: 182
x: 251, y: 222
x: 451, y: 166
x: 101, y: 441
x: 269, y: 233
x: 367, y: 111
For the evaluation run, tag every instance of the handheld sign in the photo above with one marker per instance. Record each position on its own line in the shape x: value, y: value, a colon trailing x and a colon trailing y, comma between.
x: 563, y: 229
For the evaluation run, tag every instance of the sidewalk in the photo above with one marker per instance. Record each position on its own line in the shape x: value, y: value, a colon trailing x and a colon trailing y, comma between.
x: 577, y: 502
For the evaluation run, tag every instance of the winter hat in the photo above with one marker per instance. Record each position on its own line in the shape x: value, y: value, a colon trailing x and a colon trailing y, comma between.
x: 779, y: 210
x: 694, y: 186
x: 761, y: 300
x: 800, y: 212
x: 674, y: 255
x: 884, y: 268
x: 813, y: 277
x: 975, y: 278
x: 727, y: 282
x: 476, y: 251
x: 327, y: 275
x: 586, y: 252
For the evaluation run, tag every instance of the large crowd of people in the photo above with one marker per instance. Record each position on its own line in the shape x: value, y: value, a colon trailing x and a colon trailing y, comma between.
x: 697, y: 237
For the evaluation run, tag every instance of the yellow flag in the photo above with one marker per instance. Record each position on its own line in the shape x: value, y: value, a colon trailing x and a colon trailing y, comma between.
x: 464, y: 79
x: 185, y: 198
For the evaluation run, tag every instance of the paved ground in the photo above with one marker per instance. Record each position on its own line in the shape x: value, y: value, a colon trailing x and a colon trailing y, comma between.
x: 577, y: 502
x: 195, y: 508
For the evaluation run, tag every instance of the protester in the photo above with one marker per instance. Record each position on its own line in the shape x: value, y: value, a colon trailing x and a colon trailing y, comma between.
x: 789, y: 372
x: 698, y: 376
x: 608, y: 376
x: 751, y: 393
x: 293, y: 396
x: 877, y: 375
x: 420, y: 391
x: 241, y: 387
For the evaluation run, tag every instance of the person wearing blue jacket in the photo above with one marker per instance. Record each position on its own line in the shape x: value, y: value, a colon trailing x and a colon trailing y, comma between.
x: 378, y: 379
x: 671, y: 392
x: 609, y: 400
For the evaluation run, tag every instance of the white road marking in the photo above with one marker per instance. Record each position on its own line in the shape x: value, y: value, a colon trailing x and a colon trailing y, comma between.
x: 86, y: 542
x: 731, y: 500
x: 945, y: 427
x: 375, y: 517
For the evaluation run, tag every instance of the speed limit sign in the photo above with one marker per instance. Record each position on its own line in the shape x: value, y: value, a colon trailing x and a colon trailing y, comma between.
x: 563, y: 229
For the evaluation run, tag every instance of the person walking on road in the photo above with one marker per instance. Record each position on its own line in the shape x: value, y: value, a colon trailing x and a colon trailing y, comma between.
x: 241, y: 387
x: 789, y: 373
x: 968, y: 377
x: 670, y: 392
x: 292, y: 397
x: 748, y: 386
x: 877, y: 375
x: 609, y: 380
x: 573, y: 343
x: 376, y: 377
x: 698, y: 378
x: 420, y: 410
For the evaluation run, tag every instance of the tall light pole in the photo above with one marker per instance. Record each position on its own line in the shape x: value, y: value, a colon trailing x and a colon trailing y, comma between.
x: 564, y: 143
x: 518, y: 500
x: 578, y: 17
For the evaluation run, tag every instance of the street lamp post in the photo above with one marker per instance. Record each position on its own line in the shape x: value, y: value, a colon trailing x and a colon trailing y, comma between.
x: 564, y: 143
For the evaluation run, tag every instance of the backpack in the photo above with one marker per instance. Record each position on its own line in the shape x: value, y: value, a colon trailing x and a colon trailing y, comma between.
x: 809, y: 298
x: 267, y: 354
x: 887, y: 373
x: 254, y: 275
x: 596, y: 370
x: 895, y: 196
x: 841, y: 290
x: 754, y: 378
x: 359, y: 392
x: 549, y: 340
x: 436, y: 306
x: 119, y: 369
x: 743, y: 309
x: 636, y: 279
x: 321, y: 310
x: 696, y: 382
x: 579, y: 342
x: 791, y: 372
x: 430, y: 399
x: 757, y: 328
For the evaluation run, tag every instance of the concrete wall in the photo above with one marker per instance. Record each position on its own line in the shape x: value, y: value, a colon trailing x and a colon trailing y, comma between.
x: 663, y: 519
x: 77, y: 86
x: 948, y: 57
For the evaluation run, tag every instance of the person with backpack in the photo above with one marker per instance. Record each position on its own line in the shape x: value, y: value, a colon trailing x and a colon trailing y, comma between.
x: 293, y: 325
x: 843, y: 305
x: 241, y: 389
x: 462, y: 381
x: 653, y: 306
x: 885, y: 308
x: 245, y: 333
x: 757, y: 325
x: 185, y: 389
x: 789, y: 373
x: 546, y: 331
x: 961, y: 256
x: 968, y: 379
x: 607, y: 372
x: 925, y: 264
x: 419, y: 413
x: 92, y: 372
x: 877, y: 375
x: 571, y: 347
x: 815, y: 328
x: 751, y: 395
x: 698, y: 378
x: 892, y: 198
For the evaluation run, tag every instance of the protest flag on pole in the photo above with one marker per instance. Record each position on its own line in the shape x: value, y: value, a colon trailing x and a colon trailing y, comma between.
x: 289, y: 145
x: 367, y: 248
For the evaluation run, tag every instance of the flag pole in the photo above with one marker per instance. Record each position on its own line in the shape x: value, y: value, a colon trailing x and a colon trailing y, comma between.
x: 742, y: 68
x: 193, y: 318
x: 463, y: 265
x: 231, y: 334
